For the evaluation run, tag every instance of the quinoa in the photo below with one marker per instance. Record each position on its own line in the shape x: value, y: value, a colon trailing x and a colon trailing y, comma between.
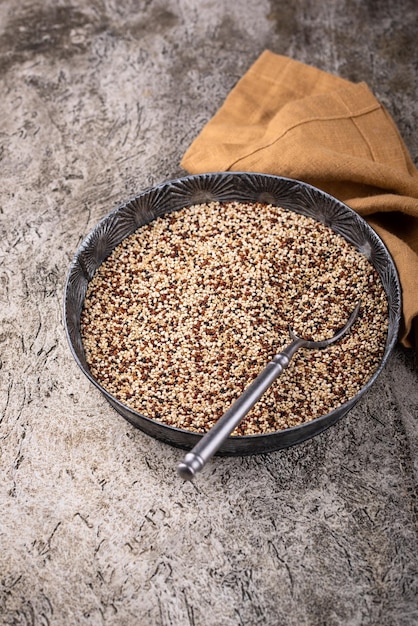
x: 188, y: 310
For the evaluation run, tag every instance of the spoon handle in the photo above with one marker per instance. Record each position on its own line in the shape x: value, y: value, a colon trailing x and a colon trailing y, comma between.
x: 195, y: 460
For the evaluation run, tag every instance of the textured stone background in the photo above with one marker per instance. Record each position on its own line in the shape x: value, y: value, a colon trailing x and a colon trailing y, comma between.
x: 100, y: 99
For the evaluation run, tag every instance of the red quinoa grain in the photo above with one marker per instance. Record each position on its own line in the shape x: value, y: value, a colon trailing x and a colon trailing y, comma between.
x: 186, y: 312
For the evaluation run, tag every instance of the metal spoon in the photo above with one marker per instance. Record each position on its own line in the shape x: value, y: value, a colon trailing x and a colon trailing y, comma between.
x: 195, y: 460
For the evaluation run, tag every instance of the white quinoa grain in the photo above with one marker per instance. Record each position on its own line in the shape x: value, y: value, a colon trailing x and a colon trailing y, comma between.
x: 186, y: 312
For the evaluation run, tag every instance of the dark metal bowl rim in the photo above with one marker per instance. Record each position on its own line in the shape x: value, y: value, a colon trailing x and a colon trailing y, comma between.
x: 342, y: 409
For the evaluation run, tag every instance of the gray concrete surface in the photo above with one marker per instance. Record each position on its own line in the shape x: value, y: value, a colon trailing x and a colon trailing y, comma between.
x: 100, y: 99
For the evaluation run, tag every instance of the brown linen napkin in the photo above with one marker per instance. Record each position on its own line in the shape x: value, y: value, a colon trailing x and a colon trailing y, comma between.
x: 290, y: 119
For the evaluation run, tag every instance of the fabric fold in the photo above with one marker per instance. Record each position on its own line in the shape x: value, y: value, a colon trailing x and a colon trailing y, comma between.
x: 287, y: 118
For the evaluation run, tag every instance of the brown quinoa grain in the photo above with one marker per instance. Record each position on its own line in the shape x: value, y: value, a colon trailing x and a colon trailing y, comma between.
x: 186, y: 312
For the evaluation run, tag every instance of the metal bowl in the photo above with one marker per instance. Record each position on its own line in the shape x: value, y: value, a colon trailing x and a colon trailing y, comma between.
x: 225, y: 186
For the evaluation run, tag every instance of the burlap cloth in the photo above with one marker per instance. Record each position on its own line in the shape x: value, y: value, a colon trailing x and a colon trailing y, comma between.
x: 290, y: 119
